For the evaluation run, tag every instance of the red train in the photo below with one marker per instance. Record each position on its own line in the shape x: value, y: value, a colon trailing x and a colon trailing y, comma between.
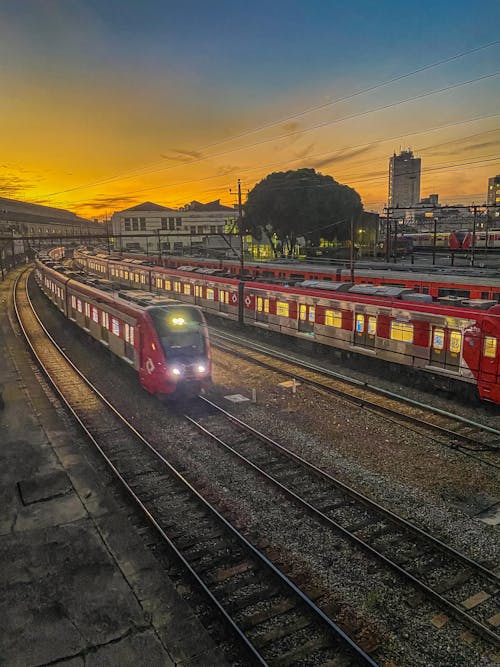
x: 165, y: 341
x: 450, y: 343
x: 438, y: 285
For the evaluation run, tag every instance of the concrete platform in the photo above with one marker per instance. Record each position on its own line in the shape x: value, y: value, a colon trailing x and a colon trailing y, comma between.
x: 77, y: 585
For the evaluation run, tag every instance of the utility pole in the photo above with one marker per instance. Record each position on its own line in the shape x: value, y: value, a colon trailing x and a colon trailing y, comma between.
x: 388, y: 237
x: 434, y: 238
x: 473, y: 250
x: 240, y: 230
x: 352, y: 250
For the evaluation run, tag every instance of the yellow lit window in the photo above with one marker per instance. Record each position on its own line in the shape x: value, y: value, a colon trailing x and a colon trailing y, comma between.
x: 210, y: 294
x: 302, y: 312
x: 105, y: 320
x: 177, y: 286
x: 168, y: 285
x: 455, y: 342
x: 311, y: 313
x: 282, y: 308
x: 87, y: 308
x: 438, y: 339
x: 79, y: 306
x: 125, y: 275
x: 159, y: 283
x: 333, y: 318
x: 262, y: 305
x: 372, y: 325
x: 490, y: 347
x: 360, y: 323
x: 129, y: 334
x: 143, y: 279
x: 187, y: 289
x: 402, y: 331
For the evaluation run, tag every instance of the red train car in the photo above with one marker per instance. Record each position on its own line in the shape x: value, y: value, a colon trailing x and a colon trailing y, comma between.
x: 165, y: 341
x: 452, y: 343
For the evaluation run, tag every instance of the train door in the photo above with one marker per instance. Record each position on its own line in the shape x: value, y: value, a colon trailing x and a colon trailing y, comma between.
x: 446, y: 348
x: 365, y: 329
x: 306, y: 318
x: 489, y: 359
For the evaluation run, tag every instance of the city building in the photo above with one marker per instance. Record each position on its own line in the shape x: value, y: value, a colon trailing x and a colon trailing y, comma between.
x: 493, y: 196
x: 404, y: 181
x: 150, y: 227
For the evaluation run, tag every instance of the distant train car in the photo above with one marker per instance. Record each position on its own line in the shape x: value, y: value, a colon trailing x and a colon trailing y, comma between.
x: 165, y: 341
x: 453, y: 340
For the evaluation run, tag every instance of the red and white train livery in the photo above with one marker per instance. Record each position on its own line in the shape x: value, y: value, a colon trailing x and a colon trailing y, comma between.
x: 394, y: 325
x: 165, y: 341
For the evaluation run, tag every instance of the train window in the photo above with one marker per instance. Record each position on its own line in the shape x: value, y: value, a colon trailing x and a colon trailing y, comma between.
x: 333, y: 318
x: 262, y: 305
x: 129, y: 334
x: 168, y: 285
x: 137, y: 277
x: 360, y: 323
x: 372, y: 325
x: 197, y: 290
x: 87, y: 309
x: 115, y: 326
x: 159, y: 283
x: 223, y: 296
x: 282, y: 308
x: 105, y: 320
x: 79, y: 305
x: 73, y: 302
x: 402, y: 331
x: 450, y: 291
x: 490, y: 347
x: 187, y: 289
x: 496, y: 296
x: 95, y: 314
x: 143, y: 279
x: 311, y: 313
x: 302, y: 312
x: 455, y: 342
x: 438, y: 339
x: 484, y: 295
x: 125, y: 275
x: 210, y: 294
x: 177, y: 286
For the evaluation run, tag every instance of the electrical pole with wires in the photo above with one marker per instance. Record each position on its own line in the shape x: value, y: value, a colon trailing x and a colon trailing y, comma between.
x: 240, y: 229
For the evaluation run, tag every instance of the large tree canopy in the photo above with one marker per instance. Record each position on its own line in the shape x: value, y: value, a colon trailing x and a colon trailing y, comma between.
x: 301, y: 203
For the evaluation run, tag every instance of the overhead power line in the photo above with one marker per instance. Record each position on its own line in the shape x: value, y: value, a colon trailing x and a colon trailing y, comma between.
x: 279, y: 137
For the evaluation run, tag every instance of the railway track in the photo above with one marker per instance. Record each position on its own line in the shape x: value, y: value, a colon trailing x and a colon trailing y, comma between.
x: 462, y: 587
x: 275, y: 621
x: 446, y: 428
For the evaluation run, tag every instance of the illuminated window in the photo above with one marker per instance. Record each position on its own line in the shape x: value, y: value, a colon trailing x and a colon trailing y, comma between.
x: 187, y: 289
x: 129, y: 334
x: 372, y: 325
x: 73, y: 302
x: 79, y: 305
x: 282, y: 308
x: 95, y: 314
x: 168, y: 285
x: 125, y: 275
x: 177, y: 286
x: 490, y: 347
x: 455, y: 342
x: 311, y: 313
x: 143, y: 279
x: 360, y: 323
x: 262, y: 305
x: 210, y: 294
x: 87, y: 310
x: 302, y: 312
x: 159, y: 283
x: 402, y: 331
x: 197, y: 290
x: 438, y: 339
x: 333, y: 318
x: 223, y: 296
x: 115, y: 326
x: 105, y: 320
x: 137, y: 278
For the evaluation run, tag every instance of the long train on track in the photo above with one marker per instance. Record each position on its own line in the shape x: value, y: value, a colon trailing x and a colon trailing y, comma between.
x: 165, y: 341
x: 451, y: 344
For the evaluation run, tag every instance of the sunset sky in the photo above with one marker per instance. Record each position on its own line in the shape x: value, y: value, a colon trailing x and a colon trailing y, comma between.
x: 108, y: 103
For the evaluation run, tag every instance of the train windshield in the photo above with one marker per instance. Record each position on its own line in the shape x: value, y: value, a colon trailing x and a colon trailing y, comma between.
x: 180, y: 330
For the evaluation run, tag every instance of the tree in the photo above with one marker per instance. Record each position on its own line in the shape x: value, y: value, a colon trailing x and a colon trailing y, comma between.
x: 300, y: 203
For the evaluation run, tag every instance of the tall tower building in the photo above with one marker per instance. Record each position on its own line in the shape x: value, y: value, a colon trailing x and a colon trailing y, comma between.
x: 493, y: 197
x: 404, y: 180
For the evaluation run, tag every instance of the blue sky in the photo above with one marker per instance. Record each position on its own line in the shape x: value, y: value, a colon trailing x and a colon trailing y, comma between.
x: 100, y: 88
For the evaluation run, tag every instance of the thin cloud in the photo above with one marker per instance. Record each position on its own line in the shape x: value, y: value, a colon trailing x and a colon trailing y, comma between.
x: 341, y: 157
x: 180, y: 154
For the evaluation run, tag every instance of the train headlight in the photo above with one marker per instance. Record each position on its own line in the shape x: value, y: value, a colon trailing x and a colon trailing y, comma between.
x: 175, y: 370
x: 201, y: 368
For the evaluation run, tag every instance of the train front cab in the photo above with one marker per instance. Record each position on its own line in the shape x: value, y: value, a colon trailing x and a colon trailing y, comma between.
x: 481, y: 351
